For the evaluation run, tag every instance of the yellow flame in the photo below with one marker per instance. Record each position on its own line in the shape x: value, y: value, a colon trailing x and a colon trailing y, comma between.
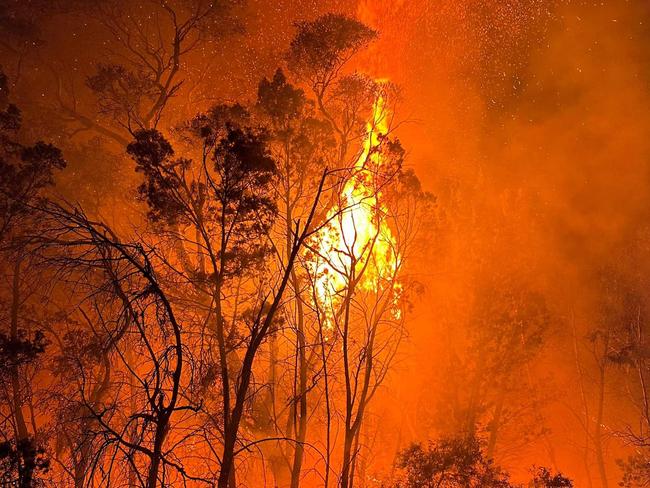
x: 358, y: 246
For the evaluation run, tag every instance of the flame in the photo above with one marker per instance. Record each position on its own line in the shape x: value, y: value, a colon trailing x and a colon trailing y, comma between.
x: 357, y: 247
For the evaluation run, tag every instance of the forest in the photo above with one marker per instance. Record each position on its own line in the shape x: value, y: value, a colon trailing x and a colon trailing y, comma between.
x: 324, y: 243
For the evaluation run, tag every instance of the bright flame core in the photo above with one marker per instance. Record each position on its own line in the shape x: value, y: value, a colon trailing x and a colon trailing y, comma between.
x: 357, y: 249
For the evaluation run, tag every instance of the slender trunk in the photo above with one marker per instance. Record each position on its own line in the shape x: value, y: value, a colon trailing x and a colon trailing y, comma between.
x: 22, y: 434
x: 349, y: 401
x: 328, y: 413
x: 227, y: 461
x: 230, y: 434
x: 21, y: 424
x: 301, y: 431
x: 641, y: 367
x: 475, y: 399
x: 133, y: 430
x: 346, y: 470
x: 80, y: 466
x: 585, y: 404
x: 230, y: 431
x: 85, y: 446
x: 598, y: 435
x: 269, y: 421
x: 299, y: 412
x: 156, y: 457
x: 355, y: 452
x: 496, y: 422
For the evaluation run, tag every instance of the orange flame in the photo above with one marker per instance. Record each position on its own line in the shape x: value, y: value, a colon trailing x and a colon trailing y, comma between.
x: 357, y: 246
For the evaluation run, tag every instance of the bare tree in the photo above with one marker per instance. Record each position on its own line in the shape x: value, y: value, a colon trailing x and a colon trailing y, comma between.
x: 127, y: 299
x: 142, y: 70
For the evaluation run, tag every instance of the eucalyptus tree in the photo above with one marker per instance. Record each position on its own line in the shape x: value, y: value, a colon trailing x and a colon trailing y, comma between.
x: 26, y: 171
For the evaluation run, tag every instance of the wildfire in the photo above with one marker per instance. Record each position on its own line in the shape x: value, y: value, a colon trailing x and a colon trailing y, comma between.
x: 357, y: 248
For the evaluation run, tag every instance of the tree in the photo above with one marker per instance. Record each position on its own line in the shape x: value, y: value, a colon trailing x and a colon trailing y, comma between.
x: 128, y: 300
x: 317, y: 55
x: 25, y: 173
x: 25, y: 170
x: 322, y: 47
x: 543, y: 478
x: 636, y: 470
x: 229, y: 204
x: 456, y: 462
x: 301, y: 143
x: 461, y: 462
x: 359, y: 287
x: 144, y: 63
x: 494, y: 394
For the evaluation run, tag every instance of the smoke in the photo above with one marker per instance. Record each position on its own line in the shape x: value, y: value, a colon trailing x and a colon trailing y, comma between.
x: 528, y: 121
x: 526, y: 118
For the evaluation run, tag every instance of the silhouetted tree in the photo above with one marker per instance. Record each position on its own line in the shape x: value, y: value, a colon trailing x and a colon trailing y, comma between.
x: 636, y: 470
x: 25, y: 173
x: 461, y: 462
x: 301, y: 144
x: 133, y: 318
x: 455, y: 462
x: 143, y: 67
x: 227, y: 200
x: 318, y: 55
x: 543, y: 478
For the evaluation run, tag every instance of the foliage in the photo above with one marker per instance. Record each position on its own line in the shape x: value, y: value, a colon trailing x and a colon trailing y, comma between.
x: 636, y: 471
x: 543, y: 478
x: 461, y: 462
x: 120, y: 90
x: 449, y: 463
x: 511, y: 321
x: 302, y: 137
x: 321, y: 47
x: 20, y: 350
x: 234, y: 195
x: 24, y: 169
x: 21, y: 462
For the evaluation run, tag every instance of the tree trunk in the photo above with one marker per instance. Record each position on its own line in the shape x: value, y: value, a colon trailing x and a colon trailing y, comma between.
x: 22, y: 434
x: 598, y: 435
x: 301, y: 431
x: 585, y: 404
x: 496, y: 422
x: 133, y: 430
x: 154, y: 466
x: 230, y: 437
x: 328, y: 413
x: 346, y: 467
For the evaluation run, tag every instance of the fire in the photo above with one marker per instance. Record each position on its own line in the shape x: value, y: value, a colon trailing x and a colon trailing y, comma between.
x: 357, y: 248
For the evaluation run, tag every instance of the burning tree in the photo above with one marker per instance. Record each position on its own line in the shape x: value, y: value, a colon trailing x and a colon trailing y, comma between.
x: 350, y: 289
x: 252, y: 254
x: 355, y: 274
